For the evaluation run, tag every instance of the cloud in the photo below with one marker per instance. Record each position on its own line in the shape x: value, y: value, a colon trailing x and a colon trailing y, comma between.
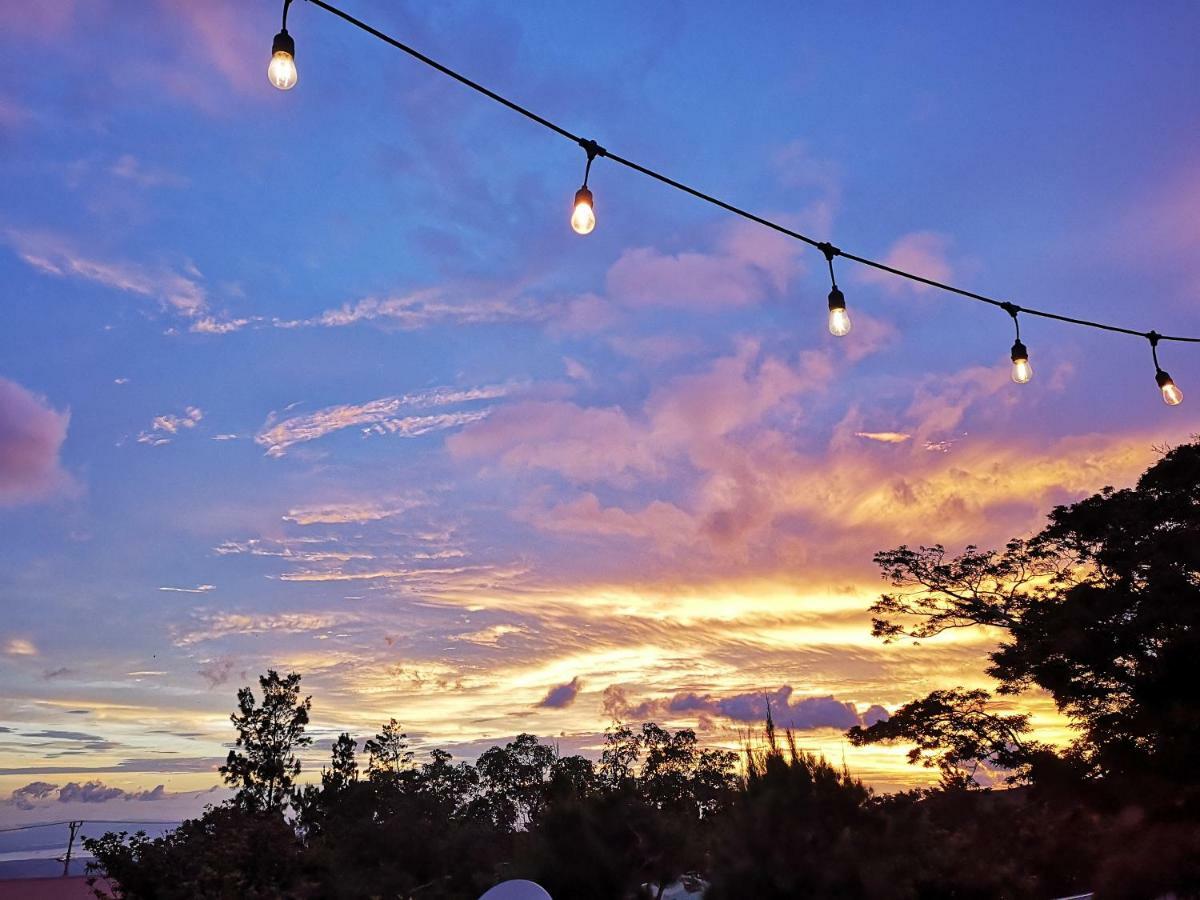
x: 801, y: 714
x: 31, y: 439
x: 884, y: 437
x: 198, y: 589
x: 423, y: 309
x: 921, y: 253
x: 170, y: 425
x: 561, y: 696
x: 583, y: 443
x: 211, y: 325
x: 749, y: 265
x: 658, y: 520
x: 53, y: 255
x: 685, y: 418
x: 33, y: 794
x: 209, y: 626
x: 377, y: 417
x: 20, y: 647
x: 26, y: 797
x: 715, y: 420
x: 129, y: 168
x: 349, y: 513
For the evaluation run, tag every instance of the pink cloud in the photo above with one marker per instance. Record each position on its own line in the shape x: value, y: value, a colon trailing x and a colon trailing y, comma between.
x: 685, y: 418
x: 39, y: 20
x: 921, y: 253
x: 582, y: 443
x: 659, y: 521
x: 31, y: 437
x: 749, y: 265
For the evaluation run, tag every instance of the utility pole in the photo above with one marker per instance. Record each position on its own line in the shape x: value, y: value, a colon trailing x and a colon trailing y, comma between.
x: 70, y: 844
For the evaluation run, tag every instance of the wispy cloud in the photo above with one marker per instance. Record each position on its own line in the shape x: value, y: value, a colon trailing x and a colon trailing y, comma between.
x: 198, y: 589
x: 349, y: 513
x: 211, y: 325
x: 382, y: 416
x: 54, y: 255
x: 207, y: 626
x: 170, y: 424
x: 129, y: 168
x: 425, y: 308
x: 884, y: 437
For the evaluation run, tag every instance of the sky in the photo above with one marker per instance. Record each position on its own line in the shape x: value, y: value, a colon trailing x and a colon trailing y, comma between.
x: 323, y: 380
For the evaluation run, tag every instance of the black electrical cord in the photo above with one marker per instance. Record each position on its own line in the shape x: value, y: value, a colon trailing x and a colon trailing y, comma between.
x: 830, y: 251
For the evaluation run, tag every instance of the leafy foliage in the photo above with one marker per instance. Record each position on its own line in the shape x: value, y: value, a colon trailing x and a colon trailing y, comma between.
x: 956, y: 731
x: 1101, y: 609
x: 265, y: 765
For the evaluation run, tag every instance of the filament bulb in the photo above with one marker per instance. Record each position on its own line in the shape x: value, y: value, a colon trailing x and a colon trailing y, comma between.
x: 583, y: 219
x: 1171, y: 394
x: 281, y: 71
x: 839, y: 319
x: 1021, y: 370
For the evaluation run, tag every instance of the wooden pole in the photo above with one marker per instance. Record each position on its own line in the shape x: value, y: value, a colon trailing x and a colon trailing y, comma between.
x: 70, y: 844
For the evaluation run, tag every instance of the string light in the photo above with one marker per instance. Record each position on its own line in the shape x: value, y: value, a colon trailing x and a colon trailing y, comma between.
x: 1021, y: 370
x: 839, y: 319
x: 1171, y: 394
x: 583, y: 217
x: 282, y: 73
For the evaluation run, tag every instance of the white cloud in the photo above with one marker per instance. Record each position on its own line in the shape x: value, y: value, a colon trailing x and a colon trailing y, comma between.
x: 377, y: 417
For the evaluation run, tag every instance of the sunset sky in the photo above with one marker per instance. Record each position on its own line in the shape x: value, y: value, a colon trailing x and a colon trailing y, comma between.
x: 323, y: 379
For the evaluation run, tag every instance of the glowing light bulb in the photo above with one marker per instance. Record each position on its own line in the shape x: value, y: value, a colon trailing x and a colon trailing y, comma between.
x: 1172, y: 395
x: 839, y: 319
x: 583, y: 219
x: 1021, y: 370
x: 282, y: 70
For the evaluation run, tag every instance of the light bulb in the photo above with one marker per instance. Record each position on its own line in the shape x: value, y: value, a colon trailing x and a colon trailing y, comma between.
x: 1172, y: 395
x: 1021, y: 370
x: 583, y: 219
x: 839, y: 319
x: 282, y: 70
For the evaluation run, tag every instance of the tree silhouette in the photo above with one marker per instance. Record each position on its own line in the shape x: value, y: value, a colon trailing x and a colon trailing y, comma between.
x: 343, y: 767
x: 265, y: 765
x: 388, y: 753
x: 1101, y: 609
x: 956, y: 731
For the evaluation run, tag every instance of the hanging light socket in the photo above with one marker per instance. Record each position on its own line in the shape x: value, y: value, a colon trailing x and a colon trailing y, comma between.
x: 839, y: 319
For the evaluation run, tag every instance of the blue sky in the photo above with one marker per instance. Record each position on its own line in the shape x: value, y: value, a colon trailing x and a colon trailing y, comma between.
x: 324, y: 379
